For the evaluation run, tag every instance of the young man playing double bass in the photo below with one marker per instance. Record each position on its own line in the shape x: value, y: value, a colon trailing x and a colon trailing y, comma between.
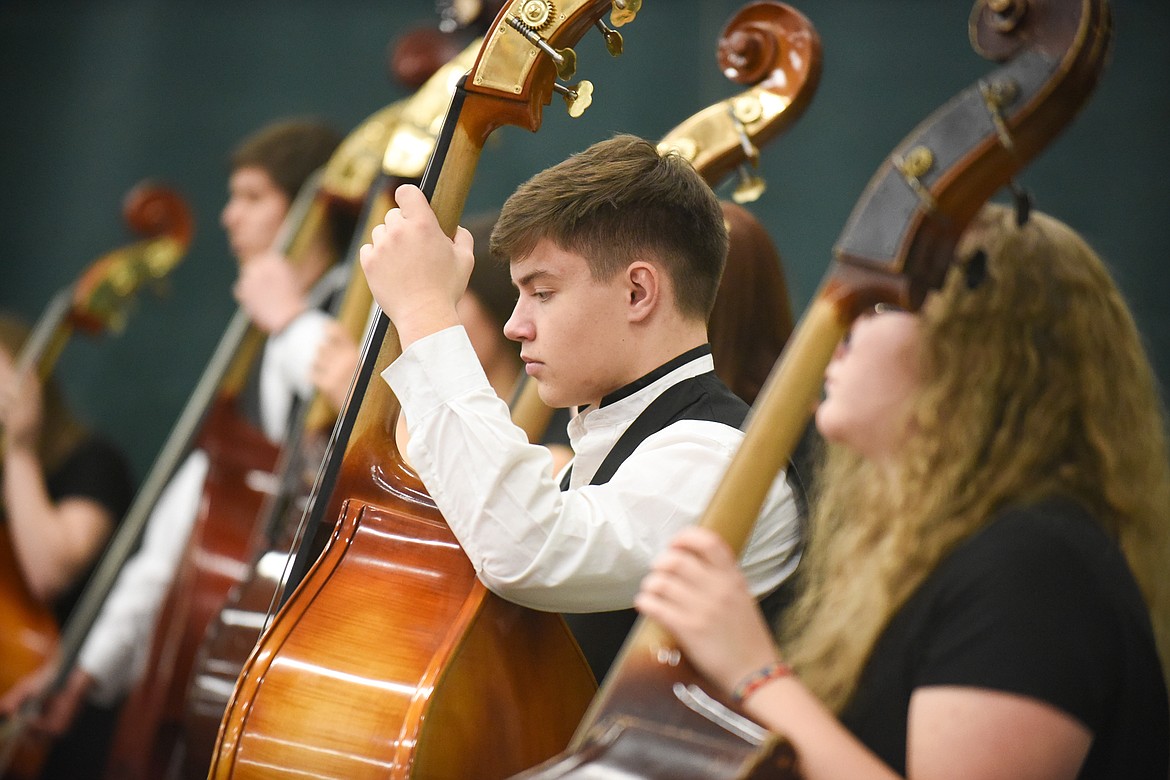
x: 617, y: 254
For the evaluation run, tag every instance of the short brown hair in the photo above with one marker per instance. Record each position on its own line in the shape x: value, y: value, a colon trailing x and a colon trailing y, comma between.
x: 620, y: 201
x: 288, y: 151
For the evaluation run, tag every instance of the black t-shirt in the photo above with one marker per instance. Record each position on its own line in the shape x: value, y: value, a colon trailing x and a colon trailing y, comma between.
x: 1039, y: 603
x: 96, y: 470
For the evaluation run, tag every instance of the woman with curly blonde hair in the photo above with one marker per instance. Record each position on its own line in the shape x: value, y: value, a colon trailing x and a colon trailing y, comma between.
x: 984, y: 594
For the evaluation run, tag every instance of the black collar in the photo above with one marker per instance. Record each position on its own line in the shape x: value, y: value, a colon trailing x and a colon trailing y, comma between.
x: 655, y: 375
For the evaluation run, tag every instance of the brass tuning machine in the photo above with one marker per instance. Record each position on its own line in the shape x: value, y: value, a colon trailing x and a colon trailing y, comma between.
x: 750, y: 185
x: 997, y: 95
x: 613, y: 39
x: 913, y: 165
x: 577, y: 98
x: 624, y: 11
x: 565, y: 59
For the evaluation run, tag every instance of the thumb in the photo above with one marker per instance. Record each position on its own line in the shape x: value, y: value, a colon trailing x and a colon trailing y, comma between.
x: 464, y: 243
x: 412, y: 203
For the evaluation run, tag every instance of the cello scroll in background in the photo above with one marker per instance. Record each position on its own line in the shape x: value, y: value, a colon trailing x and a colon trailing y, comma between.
x: 390, y: 659
x: 654, y: 709
x: 99, y: 300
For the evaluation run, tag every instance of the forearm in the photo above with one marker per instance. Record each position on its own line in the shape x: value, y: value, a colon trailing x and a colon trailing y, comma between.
x: 40, y: 539
x: 825, y: 749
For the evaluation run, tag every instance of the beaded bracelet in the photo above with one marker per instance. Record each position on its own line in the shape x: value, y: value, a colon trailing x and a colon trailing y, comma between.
x: 758, y: 679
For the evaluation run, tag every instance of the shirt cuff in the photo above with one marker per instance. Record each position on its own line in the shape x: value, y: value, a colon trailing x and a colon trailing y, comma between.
x: 435, y: 370
x: 110, y: 670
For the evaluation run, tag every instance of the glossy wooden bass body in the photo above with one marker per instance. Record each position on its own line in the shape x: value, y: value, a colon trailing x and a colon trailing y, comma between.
x: 655, y: 716
x: 29, y: 633
x: 390, y: 659
x: 96, y: 302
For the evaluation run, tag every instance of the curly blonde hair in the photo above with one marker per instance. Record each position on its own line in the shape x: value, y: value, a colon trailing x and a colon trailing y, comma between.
x: 1034, y: 383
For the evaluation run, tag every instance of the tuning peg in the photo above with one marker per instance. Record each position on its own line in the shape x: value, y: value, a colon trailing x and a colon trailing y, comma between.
x: 913, y: 165
x: 624, y: 11
x: 1007, y: 13
x: 750, y: 151
x: 750, y: 187
x: 997, y: 95
x: 564, y: 59
x: 577, y: 98
x: 613, y: 39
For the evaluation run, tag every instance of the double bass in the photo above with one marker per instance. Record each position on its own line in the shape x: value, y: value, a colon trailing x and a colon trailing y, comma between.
x: 98, y: 301
x: 234, y: 630
x: 655, y: 716
x: 390, y: 658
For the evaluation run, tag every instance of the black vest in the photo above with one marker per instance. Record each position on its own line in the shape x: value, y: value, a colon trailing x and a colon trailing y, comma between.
x: 703, y: 397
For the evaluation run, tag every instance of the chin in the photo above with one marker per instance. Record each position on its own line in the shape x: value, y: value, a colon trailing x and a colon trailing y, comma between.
x: 824, y: 422
x: 548, y: 397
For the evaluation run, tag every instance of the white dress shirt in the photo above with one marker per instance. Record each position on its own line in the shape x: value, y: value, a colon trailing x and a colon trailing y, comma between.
x: 117, y: 648
x: 585, y: 549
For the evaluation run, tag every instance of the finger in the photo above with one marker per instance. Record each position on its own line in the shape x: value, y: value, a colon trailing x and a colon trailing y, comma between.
x: 412, y: 202
x: 674, y: 591
x: 696, y: 573
x: 366, y: 256
x: 379, y: 230
x: 704, y: 544
x: 464, y: 241
x: 670, y: 613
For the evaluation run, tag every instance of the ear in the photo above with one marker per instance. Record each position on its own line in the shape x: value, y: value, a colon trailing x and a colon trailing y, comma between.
x: 645, y: 290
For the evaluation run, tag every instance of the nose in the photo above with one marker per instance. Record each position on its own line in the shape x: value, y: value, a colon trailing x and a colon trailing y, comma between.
x: 225, y: 215
x: 519, y: 326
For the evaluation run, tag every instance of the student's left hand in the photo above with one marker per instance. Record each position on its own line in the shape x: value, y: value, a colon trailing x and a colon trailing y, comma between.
x: 697, y: 592
x: 415, y: 272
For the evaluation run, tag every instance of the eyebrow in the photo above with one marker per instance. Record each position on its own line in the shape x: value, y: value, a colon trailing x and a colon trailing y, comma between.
x: 530, y: 277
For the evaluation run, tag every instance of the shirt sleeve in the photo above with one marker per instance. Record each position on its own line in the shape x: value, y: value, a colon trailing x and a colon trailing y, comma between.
x: 582, y: 550
x: 1021, y: 612
x: 96, y: 471
x: 115, y: 651
x: 285, y: 372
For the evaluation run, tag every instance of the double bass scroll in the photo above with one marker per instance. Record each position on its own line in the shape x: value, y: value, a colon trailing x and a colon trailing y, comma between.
x: 654, y: 708
x: 775, y: 51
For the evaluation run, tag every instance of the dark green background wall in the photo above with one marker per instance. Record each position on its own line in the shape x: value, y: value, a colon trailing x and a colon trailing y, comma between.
x: 98, y: 95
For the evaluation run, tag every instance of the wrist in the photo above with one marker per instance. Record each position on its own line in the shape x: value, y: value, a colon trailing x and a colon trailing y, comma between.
x: 422, y: 320
x: 286, y: 318
x: 749, y: 684
x: 19, y: 444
